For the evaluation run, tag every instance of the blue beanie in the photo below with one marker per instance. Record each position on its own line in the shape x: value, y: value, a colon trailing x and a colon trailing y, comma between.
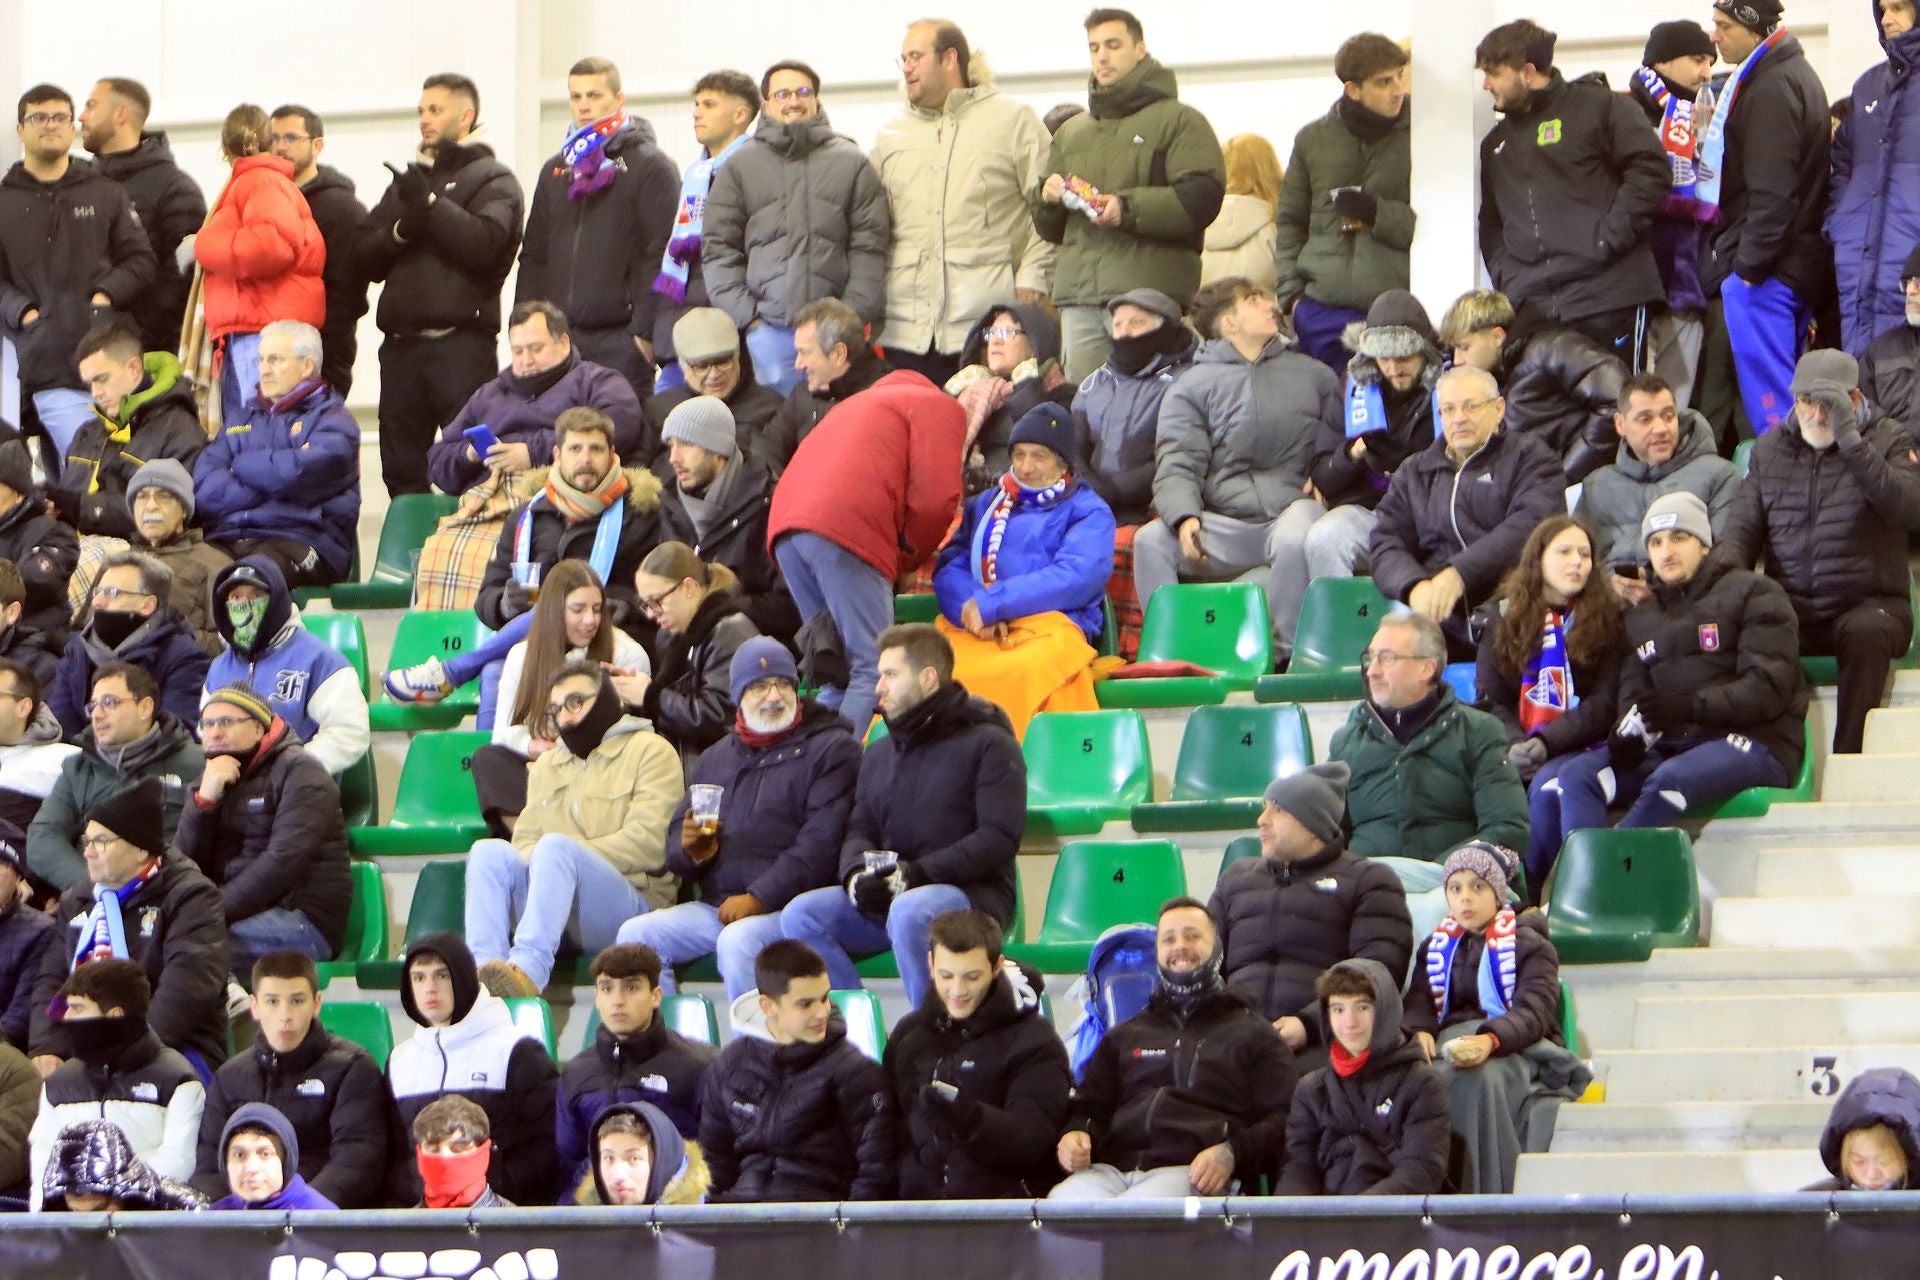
x: 757, y: 659
x: 1046, y: 423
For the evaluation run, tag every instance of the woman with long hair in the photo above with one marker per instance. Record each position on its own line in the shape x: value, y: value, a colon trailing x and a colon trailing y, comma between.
x: 1549, y: 669
x: 697, y: 607
x: 1244, y: 239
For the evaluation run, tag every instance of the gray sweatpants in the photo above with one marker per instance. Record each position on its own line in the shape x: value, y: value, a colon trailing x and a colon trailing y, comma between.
x: 1273, y: 552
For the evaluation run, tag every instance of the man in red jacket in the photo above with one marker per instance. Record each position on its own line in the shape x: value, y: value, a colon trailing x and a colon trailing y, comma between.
x: 868, y: 496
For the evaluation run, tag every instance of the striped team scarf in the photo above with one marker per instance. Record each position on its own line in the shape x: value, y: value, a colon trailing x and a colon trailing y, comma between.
x: 104, y: 936
x: 1713, y: 146
x: 1546, y: 685
x: 584, y: 154
x: 1499, y: 964
x: 993, y: 529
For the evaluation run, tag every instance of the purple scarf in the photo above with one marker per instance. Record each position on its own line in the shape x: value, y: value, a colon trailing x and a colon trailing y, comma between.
x: 584, y: 154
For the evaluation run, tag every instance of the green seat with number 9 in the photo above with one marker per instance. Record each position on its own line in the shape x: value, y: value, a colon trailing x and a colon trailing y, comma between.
x: 436, y: 809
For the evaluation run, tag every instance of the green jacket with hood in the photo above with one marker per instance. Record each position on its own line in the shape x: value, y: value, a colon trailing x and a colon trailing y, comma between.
x: 159, y: 420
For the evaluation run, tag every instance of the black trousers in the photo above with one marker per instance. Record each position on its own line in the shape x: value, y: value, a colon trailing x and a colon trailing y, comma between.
x: 1865, y: 639
x: 424, y: 382
x: 1623, y: 331
x: 937, y: 366
x: 299, y: 563
x: 614, y: 348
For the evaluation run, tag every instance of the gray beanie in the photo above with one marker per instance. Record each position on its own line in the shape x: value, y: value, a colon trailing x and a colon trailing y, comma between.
x: 1316, y: 797
x: 1682, y: 511
x: 166, y: 474
x: 704, y: 421
x: 1826, y: 372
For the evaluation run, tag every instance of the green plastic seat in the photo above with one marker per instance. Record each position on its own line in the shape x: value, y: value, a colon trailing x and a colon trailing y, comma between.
x: 1337, y: 619
x: 1228, y: 756
x: 534, y: 1017
x: 439, y: 906
x: 304, y: 596
x: 1096, y: 885
x: 1743, y: 456
x: 866, y: 1028
x: 1223, y: 626
x: 360, y: 793
x: 690, y: 1015
x: 1754, y: 802
x: 1619, y: 894
x: 1084, y: 770
x: 431, y: 633
x: 410, y: 518
x: 365, y: 1022
x: 436, y: 809
x: 1238, y: 849
x: 1569, y: 1024
x: 921, y: 606
x: 345, y: 633
x: 366, y: 933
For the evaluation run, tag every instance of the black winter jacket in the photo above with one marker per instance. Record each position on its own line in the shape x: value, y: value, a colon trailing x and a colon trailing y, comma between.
x: 1890, y: 376
x: 164, y: 646
x: 1533, y: 1016
x: 1344, y: 480
x: 450, y: 276
x: 338, y: 213
x: 946, y: 789
x: 1829, y: 524
x: 1382, y: 1131
x: 1473, y: 517
x: 275, y: 838
x: 1729, y: 642
x: 657, y: 1066
x: 574, y: 250
x: 690, y: 698
x: 1162, y: 1088
x: 737, y: 538
x: 1283, y: 924
x: 783, y: 814
x: 175, y: 931
x: 803, y: 408
x: 25, y: 935
x: 331, y: 1091
x: 1569, y: 186
x: 46, y: 552
x: 754, y: 408
x: 61, y: 242
x: 553, y: 539
x: 1561, y: 387
x: 784, y: 1122
x: 91, y: 493
x: 1773, y: 184
x: 996, y: 1140
x: 1597, y: 686
x: 171, y: 208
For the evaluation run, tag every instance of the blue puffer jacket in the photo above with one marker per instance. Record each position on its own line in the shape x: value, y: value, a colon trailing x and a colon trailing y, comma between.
x: 164, y: 645
x: 290, y: 469
x: 1873, y: 221
x: 1117, y: 414
x: 1056, y: 557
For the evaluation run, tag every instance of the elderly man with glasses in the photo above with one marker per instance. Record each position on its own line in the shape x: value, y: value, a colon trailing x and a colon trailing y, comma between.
x: 590, y: 849
x: 131, y: 621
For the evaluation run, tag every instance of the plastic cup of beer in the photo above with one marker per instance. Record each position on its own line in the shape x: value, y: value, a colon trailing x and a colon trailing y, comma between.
x: 527, y: 574
x: 881, y: 862
x: 703, y: 801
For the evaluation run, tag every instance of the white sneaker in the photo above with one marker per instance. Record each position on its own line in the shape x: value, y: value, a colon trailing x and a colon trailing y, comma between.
x: 239, y: 1007
x: 422, y: 682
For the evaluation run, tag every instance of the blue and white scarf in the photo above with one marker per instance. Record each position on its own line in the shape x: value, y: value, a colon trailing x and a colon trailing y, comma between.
x: 1713, y: 146
x: 993, y: 529
x: 689, y: 221
x: 1499, y: 964
x: 1680, y: 139
x: 606, y: 538
x: 104, y: 934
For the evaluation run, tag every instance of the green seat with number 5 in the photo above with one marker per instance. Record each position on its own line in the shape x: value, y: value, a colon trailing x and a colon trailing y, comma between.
x: 1222, y: 626
x: 436, y: 809
x: 1337, y: 619
x: 431, y: 633
x: 1084, y: 770
x: 1228, y: 755
x: 1098, y: 884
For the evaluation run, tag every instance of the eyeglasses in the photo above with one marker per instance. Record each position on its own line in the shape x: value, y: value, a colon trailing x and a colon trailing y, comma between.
x: 222, y: 723
x: 718, y: 362
x: 908, y: 61
x: 1384, y: 659
x: 289, y: 139
x: 653, y: 604
x: 11, y: 695
x: 48, y: 120
x: 107, y: 702
x: 572, y: 703
x: 113, y: 595
x: 99, y: 843
x: 767, y: 684
x: 1003, y: 332
x: 1464, y: 408
x: 802, y: 94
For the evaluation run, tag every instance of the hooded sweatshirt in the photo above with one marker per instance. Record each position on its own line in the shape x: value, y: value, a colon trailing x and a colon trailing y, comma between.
x: 294, y: 1193
x: 30, y: 767
x: 679, y: 1174
x: 1879, y: 1095
x: 308, y: 683
x: 93, y: 1157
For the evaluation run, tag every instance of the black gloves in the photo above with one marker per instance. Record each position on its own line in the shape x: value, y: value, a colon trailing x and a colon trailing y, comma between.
x: 514, y: 599
x: 873, y: 894
x: 1356, y: 205
x: 1665, y: 712
x: 411, y: 187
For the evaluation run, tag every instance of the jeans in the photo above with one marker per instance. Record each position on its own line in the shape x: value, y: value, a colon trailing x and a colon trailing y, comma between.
x: 685, y: 933
x: 1318, y: 327
x: 824, y: 575
x: 1337, y: 542
x: 1766, y: 324
x: 1235, y: 548
x: 62, y: 412
x: 827, y: 921
x: 770, y: 347
x: 239, y: 374
x: 1674, y: 777
x: 275, y: 929
x: 1086, y: 340
x: 463, y: 667
x: 561, y: 891
x: 1104, y: 1182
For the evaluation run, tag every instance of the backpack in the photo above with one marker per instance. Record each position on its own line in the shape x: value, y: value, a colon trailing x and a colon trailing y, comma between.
x: 1122, y: 971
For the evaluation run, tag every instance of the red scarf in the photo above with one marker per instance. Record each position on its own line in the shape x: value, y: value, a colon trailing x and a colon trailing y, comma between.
x: 455, y: 1182
x: 756, y: 740
x: 1346, y: 1064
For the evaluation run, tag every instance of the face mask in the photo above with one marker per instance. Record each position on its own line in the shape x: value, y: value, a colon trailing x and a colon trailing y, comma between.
x: 1185, y: 989
x: 453, y: 1182
x: 114, y: 628
x: 246, y: 616
x: 585, y: 736
x: 96, y: 1039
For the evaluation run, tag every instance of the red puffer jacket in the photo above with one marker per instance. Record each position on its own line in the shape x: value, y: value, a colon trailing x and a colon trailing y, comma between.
x: 262, y: 252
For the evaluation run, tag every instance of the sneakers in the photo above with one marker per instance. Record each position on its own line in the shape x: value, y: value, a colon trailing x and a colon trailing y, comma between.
x: 422, y: 682
x: 239, y: 1007
x: 506, y: 980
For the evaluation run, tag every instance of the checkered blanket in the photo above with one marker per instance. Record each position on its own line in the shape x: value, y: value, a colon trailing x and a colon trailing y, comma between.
x: 454, y: 558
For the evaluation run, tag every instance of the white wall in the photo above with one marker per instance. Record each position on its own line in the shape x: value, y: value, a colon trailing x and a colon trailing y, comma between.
x: 1265, y: 69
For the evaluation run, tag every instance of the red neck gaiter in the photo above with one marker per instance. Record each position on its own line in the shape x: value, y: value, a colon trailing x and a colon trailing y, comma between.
x: 455, y: 1182
x: 1347, y: 1064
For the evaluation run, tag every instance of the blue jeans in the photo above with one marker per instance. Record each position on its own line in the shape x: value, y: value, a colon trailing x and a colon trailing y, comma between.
x: 827, y: 921
x: 561, y: 891
x: 275, y: 929
x: 62, y: 411
x: 1319, y: 326
x: 824, y: 575
x: 1675, y: 776
x: 239, y: 374
x: 463, y: 667
x: 1766, y: 324
x: 770, y: 347
x: 1546, y: 816
x: 685, y: 933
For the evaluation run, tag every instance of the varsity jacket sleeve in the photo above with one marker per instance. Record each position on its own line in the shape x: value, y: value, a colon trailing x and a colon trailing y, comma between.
x: 1182, y: 450
x: 869, y: 240
x: 1023, y: 1131
x: 812, y: 860
x: 659, y: 201
x: 181, y: 1134
x: 1645, y: 177
x: 358, y: 1125
x: 1271, y: 1073
x: 1033, y: 256
x: 339, y: 708
x: 327, y: 458
x: 723, y: 247
x: 209, y: 1169
x: 1536, y: 489
x: 132, y: 263
x: 1183, y: 208
x: 865, y: 1105
x: 1535, y: 1013
x: 1426, y: 1137
x: 1076, y: 576
x: 1301, y: 1174
x: 999, y: 790
x: 479, y: 237
x: 193, y: 972
x: 1767, y: 666
x: 1393, y: 548
x: 1293, y: 221
x: 1882, y: 460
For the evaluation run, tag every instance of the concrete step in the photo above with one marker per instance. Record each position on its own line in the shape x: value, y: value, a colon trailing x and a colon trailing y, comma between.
x: 1689, y: 1126
x: 1822, y: 824
x: 1791, y: 923
x: 1771, y: 1019
x: 1682, y: 969
x: 1667, y: 1173
x: 1851, y: 871
x: 1892, y: 731
x: 1786, y: 1073
x: 1871, y: 778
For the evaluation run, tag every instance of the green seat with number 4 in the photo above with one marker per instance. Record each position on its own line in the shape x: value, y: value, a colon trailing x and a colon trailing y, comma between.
x: 1337, y: 619
x: 1096, y: 885
x: 1228, y: 756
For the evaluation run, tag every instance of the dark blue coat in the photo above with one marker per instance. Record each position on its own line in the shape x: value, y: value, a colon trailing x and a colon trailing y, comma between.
x: 1873, y: 221
x: 783, y: 815
x: 290, y: 470
x: 1056, y: 557
x: 1879, y: 1095
x: 519, y: 415
x: 24, y: 935
x: 164, y: 646
x: 657, y: 1065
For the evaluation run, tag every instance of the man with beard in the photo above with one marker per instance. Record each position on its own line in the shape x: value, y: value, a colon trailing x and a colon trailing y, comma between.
x: 160, y: 500
x: 786, y: 778
x: 1153, y: 1119
x: 132, y: 622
